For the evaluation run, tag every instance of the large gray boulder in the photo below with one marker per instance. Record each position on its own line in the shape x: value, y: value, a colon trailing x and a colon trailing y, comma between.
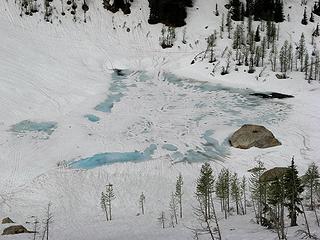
x: 273, y: 174
x: 253, y: 136
x: 6, y: 220
x: 16, y: 229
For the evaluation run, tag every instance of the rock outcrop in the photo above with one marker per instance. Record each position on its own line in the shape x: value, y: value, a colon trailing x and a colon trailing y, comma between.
x: 273, y: 174
x: 253, y: 136
x: 7, y: 220
x: 16, y: 229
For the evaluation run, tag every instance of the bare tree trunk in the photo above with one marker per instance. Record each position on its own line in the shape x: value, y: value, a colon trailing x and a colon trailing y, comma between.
x: 315, y: 212
x: 305, y: 219
x: 216, y: 219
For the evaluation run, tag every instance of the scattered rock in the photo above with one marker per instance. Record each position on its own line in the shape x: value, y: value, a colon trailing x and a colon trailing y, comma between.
x: 272, y: 95
x: 16, y: 229
x: 281, y: 76
x: 7, y: 220
x: 253, y: 136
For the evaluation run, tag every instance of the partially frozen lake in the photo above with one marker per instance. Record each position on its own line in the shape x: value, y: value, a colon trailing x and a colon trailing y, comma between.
x: 182, y: 117
x: 31, y: 126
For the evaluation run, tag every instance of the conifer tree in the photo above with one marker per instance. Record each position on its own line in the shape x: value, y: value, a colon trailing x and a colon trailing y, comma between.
x: 236, y: 10
x: 257, y: 35
x: 217, y: 11
x: 258, y: 189
x: 162, y: 219
x: 142, y: 200
x: 301, y: 51
x: 278, y: 11
x: 109, y: 196
x: 249, y: 8
x: 311, y: 17
x: 276, y: 198
x: 179, y: 193
x: 173, y: 209
x: 236, y: 192
x: 304, y: 20
x: 204, y: 190
x: 311, y: 181
x: 104, y: 206
x: 223, y: 190
x: 293, y: 189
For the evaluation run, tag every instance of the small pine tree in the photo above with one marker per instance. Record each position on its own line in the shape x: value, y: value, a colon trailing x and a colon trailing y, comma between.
x: 276, y: 199
x: 304, y: 20
x: 173, y: 208
x: 301, y: 51
x: 258, y: 189
x: 109, y: 197
x: 316, y: 32
x: 204, y: 190
x: 179, y: 193
x: 293, y: 189
x: 311, y: 181
x: 217, y: 11
x: 162, y: 219
x: 257, y: 35
x: 278, y: 11
x: 311, y: 17
x: 142, y: 200
x: 104, y: 206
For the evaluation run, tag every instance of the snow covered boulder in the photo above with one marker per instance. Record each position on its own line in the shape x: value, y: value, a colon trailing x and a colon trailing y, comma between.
x: 7, y: 220
x: 16, y: 229
x: 253, y: 136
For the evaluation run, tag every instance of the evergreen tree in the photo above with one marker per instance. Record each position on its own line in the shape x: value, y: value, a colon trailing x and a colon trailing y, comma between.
x: 278, y: 11
x: 179, y: 192
x: 162, y: 219
x: 236, y: 10
x: 258, y: 189
x: 229, y: 24
x: 276, y: 198
x: 301, y: 51
x: 103, y: 204
x: 217, y: 11
x: 249, y: 8
x: 311, y: 17
x: 257, y: 35
x: 223, y: 190
x: 293, y: 189
x: 108, y: 197
x: 236, y: 193
x: 204, y: 190
x: 304, y: 20
x: 142, y: 200
x: 311, y: 181
x: 173, y: 209
x: 316, y: 32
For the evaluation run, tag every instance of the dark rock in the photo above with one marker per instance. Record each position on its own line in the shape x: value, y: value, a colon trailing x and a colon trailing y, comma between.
x: 7, y: 220
x: 16, y: 229
x: 253, y: 136
x: 273, y: 174
x: 272, y: 95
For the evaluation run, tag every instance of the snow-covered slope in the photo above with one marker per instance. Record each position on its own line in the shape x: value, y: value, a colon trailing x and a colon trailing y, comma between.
x: 55, y: 74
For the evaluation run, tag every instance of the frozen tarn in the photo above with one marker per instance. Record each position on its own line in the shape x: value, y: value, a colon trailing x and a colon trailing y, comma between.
x: 235, y: 102
x: 29, y: 126
x: 116, y: 90
x: 169, y: 147
x: 211, y: 150
x: 108, y: 158
x: 92, y: 118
